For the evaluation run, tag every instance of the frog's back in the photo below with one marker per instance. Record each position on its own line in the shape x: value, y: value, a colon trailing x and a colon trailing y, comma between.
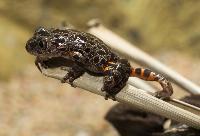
x: 95, y: 52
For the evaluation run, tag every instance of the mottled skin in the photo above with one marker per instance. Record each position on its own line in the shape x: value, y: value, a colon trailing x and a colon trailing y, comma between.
x: 89, y: 54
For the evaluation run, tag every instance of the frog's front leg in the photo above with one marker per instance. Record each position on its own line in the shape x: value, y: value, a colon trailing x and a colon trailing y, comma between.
x: 75, y: 72
x: 40, y: 61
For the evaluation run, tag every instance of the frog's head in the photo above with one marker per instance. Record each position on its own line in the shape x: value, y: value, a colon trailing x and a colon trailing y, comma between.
x: 46, y: 43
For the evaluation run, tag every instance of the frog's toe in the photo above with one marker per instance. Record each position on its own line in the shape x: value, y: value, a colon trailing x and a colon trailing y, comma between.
x: 164, y: 95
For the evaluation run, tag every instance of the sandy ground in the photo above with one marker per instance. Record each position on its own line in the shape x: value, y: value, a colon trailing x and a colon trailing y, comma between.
x: 31, y: 104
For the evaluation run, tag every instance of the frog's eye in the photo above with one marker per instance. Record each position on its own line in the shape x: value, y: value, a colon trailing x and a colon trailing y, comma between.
x: 42, y: 31
x: 41, y: 44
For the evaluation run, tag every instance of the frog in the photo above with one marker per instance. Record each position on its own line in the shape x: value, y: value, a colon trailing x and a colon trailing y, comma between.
x: 90, y: 54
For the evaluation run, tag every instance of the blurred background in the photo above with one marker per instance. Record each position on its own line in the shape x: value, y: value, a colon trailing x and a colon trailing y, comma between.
x: 31, y: 104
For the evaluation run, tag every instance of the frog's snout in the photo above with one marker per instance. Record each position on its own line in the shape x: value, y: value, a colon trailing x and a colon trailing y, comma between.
x: 29, y: 45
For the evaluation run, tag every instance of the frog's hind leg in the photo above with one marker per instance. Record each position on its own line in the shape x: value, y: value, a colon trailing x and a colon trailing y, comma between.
x: 116, y: 89
x: 116, y: 78
x: 109, y: 83
x: 75, y: 72
x: 149, y: 75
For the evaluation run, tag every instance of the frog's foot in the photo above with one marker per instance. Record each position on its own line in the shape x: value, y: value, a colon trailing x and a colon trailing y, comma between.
x: 111, y: 96
x: 163, y: 95
x: 74, y: 73
x: 166, y: 92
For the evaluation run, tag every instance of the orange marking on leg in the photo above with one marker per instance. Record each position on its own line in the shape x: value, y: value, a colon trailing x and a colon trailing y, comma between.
x: 107, y: 68
x: 133, y: 72
x: 142, y: 73
x: 148, y: 75
x: 152, y: 77
x: 138, y: 72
